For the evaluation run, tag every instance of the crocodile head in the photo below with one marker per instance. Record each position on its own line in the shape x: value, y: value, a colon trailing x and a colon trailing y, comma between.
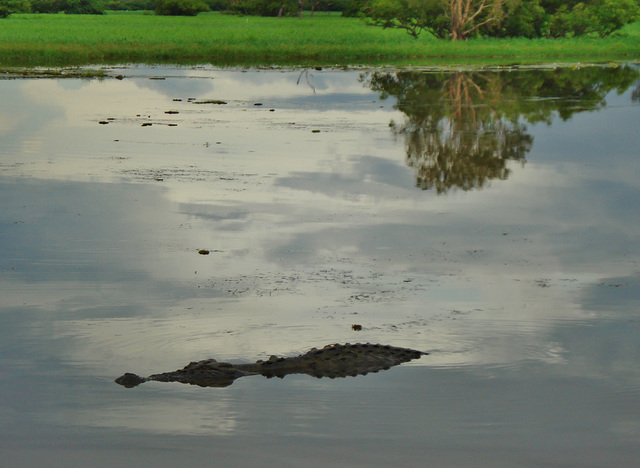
x: 130, y: 380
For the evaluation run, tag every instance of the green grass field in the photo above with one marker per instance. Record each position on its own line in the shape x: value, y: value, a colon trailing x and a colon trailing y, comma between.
x: 213, y: 38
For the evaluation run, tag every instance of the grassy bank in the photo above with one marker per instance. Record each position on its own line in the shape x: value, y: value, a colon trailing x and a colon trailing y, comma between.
x: 30, y: 40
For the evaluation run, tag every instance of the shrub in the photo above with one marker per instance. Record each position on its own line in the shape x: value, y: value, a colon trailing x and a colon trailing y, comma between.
x: 610, y: 15
x: 180, y: 7
x: 598, y: 16
x: 77, y: 7
x: 354, y: 8
x: 130, y: 5
x: 264, y: 7
x: 8, y: 7
x: 217, y: 5
x: 568, y: 22
x: 45, y: 6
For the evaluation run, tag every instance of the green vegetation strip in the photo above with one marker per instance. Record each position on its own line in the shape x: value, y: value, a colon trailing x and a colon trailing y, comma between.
x: 213, y: 38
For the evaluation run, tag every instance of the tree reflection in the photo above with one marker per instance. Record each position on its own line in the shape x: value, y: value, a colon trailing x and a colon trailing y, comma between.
x: 463, y: 128
x: 635, y: 95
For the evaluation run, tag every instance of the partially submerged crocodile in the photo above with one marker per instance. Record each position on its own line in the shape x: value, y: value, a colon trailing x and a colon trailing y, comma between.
x: 337, y: 360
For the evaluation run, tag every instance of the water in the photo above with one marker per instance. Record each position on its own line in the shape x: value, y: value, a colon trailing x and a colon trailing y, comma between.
x: 489, y: 218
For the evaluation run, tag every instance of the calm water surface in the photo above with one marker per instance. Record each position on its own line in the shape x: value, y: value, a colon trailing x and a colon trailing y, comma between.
x: 489, y: 218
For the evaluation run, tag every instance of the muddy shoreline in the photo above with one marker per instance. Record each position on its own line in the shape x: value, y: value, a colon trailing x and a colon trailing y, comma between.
x: 120, y: 72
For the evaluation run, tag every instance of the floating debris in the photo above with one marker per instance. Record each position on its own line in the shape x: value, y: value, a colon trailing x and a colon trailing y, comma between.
x: 209, y: 101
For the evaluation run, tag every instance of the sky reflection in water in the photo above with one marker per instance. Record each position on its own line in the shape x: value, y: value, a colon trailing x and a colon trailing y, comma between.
x: 519, y: 275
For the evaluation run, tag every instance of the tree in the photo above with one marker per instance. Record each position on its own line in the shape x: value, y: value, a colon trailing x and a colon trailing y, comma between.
x: 413, y: 16
x: 316, y: 5
x: 460, y: 19
x: 8, y: 7
x: 456, y: 19
x: 520, y: 18
x: 566, y: 18
x: 466, y: 16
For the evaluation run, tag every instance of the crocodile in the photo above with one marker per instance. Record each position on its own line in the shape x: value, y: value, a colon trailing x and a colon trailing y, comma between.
x: 333, y: 361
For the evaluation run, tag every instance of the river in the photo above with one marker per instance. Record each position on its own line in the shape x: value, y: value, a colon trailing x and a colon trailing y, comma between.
x: 163, y: 215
